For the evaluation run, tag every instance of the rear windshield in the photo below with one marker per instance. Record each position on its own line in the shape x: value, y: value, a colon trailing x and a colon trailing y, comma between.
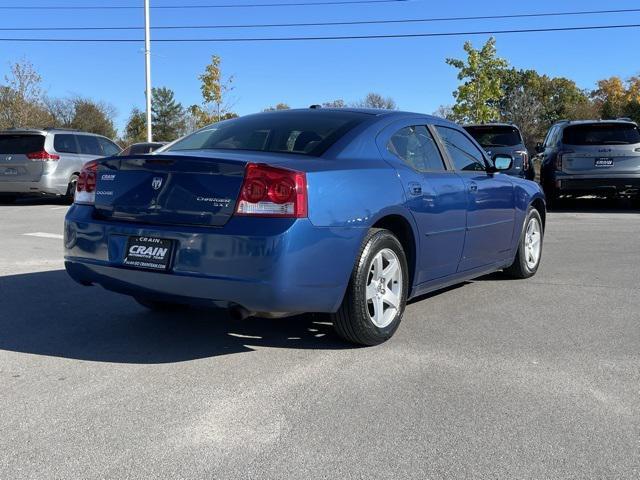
x: 601, y: 134
x: 21, y: 144
x: 495, y: 136
x: 308, y: 133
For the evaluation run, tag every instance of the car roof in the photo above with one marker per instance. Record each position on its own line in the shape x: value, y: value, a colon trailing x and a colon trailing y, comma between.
x: 44, y: 131
x: 591, y: 122
x: 491, y: 124
x: 377, y: 112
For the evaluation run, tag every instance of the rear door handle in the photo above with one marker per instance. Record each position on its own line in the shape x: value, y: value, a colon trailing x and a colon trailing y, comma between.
x: 415, y: 189
x: 473, y: 187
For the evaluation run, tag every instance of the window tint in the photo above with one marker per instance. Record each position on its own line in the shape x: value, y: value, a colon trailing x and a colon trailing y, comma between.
x: 416, y: 147
x: 495, y: 135
x: 21, y: 144
x: 89, y: 145
x: 64, y: 143
x: 601, y: 134
x: 303, y: 132
x: 108, y: 147
x: 549, y: 138
x: 464, y: 154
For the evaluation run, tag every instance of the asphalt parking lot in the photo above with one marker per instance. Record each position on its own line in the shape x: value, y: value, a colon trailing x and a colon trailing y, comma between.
x: 492, y: 379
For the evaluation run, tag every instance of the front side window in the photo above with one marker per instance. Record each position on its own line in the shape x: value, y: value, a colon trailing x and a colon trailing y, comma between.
x: 464, y: 154
x: 65, y: 143
x: 302, y: 132
x: 89, y: 145
x: 108, y: 147
x: 415, y: 147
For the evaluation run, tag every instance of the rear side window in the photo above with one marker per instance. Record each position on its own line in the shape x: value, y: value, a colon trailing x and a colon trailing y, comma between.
x: 495, y: 135
x: 303, y: 132
x: 464, y: 154
x: 21, y: 144
x: 89, y: 145
x: 64, y: 143
x: 415, y: 147
x: 601, y: 134
x: 108, y: 147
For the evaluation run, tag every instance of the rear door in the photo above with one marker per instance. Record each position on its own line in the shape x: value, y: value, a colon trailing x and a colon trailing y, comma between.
x: 15, y: 164
x: 490, y: 202
x: 601, y: 149
x: 436, y: 197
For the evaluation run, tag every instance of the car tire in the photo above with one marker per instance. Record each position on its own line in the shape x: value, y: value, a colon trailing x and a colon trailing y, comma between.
x: 373, y: 304
x: 71, y: 189
x: 157, y: 305
x: 527, y: 261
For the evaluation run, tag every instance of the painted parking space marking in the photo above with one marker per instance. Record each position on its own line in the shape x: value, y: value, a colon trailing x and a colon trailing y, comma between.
x: 56, y: 236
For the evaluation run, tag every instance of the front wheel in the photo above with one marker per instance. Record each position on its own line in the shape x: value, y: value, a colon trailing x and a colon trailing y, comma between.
x: 527, y: 259
x: 377, y: 293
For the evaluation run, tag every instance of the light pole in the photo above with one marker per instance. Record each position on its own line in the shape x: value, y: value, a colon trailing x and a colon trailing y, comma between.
x: 147, y: 61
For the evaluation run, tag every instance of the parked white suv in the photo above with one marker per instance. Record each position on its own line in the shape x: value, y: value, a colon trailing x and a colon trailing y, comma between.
x: 46, y: 161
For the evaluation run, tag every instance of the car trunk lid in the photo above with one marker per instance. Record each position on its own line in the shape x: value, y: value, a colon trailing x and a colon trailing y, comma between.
x: 169, y: 189
x: 15, y: 165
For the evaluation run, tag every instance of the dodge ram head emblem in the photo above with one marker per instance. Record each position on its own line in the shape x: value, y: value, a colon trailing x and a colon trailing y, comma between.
x: 156, y: 183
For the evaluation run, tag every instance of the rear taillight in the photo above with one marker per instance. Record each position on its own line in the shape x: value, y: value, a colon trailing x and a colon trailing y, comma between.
x: 42, y: 156
x: 272, y: 192
x: 86, y: 184
x: 559, y: 159
x: 525, y: 159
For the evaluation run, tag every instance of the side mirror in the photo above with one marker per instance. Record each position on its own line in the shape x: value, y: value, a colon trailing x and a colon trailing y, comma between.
x: 539, y: 148
x: 502, y: 162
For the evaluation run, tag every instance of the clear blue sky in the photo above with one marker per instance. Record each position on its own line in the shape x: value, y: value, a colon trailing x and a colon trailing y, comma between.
x: 412, y: 71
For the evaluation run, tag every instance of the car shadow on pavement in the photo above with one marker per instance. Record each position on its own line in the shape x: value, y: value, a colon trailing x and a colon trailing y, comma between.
x: 46, y: 313
x: 34, y: 200
x: 597, y: 205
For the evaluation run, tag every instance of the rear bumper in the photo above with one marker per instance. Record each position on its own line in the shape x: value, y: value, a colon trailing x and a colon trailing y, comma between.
x: 576, y: 184
x: 263, y: 265
x: 47, y: 185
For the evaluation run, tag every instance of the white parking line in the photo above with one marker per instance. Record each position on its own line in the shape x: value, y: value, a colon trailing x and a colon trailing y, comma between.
x: 59, y: 208
x: 44, y: 235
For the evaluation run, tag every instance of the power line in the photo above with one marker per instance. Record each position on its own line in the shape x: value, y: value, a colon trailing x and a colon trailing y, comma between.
x: 310, y: 38
x: 176, y: 7
x: 323, y: 24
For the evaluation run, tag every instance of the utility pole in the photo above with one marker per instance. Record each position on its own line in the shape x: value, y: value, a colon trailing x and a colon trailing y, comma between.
x: 147, y: 60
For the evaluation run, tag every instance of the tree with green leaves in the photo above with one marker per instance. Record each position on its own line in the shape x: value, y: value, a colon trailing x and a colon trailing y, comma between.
x: 216, y: 88
x: 136, y: 129
x: 167, y: 115
x: 480, y: 91
x: 94, y: 117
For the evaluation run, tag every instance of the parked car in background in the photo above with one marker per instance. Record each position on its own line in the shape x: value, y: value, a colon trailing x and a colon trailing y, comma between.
x: 142, y: 148
x: 504, y: 138
x: 345, y: 211
x: 47, y: 161
x: 591, y: 157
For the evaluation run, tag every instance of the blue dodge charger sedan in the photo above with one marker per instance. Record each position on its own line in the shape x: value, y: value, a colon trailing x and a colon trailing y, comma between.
x: 349, y: 212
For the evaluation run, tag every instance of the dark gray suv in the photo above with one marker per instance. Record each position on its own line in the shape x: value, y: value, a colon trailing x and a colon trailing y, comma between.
x: 504, y: 139
x: 591, y: 157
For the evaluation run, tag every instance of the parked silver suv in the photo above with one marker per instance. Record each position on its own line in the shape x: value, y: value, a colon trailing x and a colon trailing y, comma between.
x: 46, y: 161
x: 591, y: 157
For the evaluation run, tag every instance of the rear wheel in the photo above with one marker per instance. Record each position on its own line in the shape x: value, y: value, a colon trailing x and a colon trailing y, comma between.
x: 377, y: 293
x: 71, y: 189
x: 529, y: 253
